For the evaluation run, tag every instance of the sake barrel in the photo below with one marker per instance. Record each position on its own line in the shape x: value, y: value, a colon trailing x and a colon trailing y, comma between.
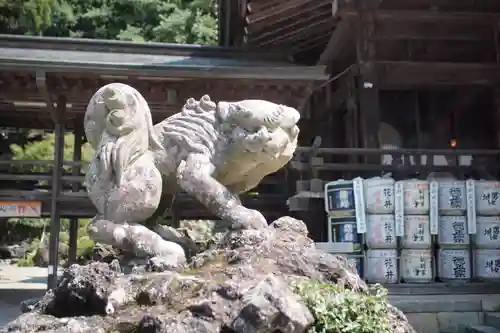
x: 417, y: 232
x: 381, y: 266
x: 416, y: 197
x: 488, y: 232
x: 452, y: 197
x: 339, y: 199
x: 487, y: 264
x: 453, y: 232
x: 416, y: 266
x: 379, y: 195
x: 381, y: 232
x: 487, y: 197
x: 344, y: 230
x: 454, y: 264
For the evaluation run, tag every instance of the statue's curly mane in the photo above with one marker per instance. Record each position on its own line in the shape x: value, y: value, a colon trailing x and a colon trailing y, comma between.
x: 191, y: 130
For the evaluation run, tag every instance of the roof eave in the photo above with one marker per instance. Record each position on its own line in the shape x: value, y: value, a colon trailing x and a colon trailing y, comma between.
x: 299, y: 73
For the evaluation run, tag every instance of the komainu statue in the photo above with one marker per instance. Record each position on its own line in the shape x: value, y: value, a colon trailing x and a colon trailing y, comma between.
x: 212, y: 151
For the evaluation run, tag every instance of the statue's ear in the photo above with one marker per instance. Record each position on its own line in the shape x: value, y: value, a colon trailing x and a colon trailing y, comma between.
x: 223, y: 110
x: 94, y: 121
x: 114, y: 98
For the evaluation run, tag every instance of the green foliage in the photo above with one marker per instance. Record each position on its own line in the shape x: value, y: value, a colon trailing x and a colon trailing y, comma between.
x: 43, y: 150
x: 340, y: 310
x: 84, y: 247
x: 168, y: 21
x: 27, y: 17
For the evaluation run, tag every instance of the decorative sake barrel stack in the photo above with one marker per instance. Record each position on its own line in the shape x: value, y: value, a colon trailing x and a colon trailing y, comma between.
x: 413, y: 224
x: 342, y: 199
x: 453, y: 262
x: 381, y: 240
x: 487, y: 240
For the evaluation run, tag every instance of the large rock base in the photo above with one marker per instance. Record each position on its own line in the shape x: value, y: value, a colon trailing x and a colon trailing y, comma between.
x: 241, y: 285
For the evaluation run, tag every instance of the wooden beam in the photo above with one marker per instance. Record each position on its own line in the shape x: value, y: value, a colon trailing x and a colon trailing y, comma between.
x: 387, y: 30
x: 405, y: 74
x: 260, y: 36
x: 312, y: 29
x: 274, y: 10
x: 486, y: 6
x: 340, y: 39
x: 368, y: 85
x: 286, y: 22
x: 496, y: 101
x: 308, y: 43
x: 55, y: 223
x: 427, y: 16
x: 75, y: 171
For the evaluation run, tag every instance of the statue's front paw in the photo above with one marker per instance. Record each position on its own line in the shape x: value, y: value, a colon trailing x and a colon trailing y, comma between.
x: 244, y: 218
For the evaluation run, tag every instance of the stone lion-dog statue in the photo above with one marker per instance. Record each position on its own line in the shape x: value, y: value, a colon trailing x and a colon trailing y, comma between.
x: 212, y: 151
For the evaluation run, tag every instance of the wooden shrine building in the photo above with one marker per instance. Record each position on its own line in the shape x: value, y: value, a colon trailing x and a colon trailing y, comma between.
x: 46, y: 83
x: 425, y: 71
x: 417, y: 78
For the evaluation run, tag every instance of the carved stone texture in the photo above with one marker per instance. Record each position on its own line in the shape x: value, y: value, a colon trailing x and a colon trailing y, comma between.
x: 239, y: 285
x: 212, y: 151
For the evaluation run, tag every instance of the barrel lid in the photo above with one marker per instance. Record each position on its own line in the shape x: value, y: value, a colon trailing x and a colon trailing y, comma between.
x: 379, y: 181
x: 339, y: 182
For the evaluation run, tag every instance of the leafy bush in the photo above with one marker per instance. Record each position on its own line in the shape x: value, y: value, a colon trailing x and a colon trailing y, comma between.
x: 84, y: 247
x: 27, y: 261
x: 340, y: 310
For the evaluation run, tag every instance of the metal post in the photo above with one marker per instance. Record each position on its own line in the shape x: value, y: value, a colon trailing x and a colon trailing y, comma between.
x: 55, y: 225
x: 75, y: 171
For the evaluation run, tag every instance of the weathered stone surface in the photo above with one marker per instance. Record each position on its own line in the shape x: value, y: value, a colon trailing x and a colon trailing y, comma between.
x: 269, y: 307
x: 238, y: 286
x: 194, y: 236
x: 212, y: 151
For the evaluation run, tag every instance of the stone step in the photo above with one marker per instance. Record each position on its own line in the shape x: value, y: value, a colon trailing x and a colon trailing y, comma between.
x: 481, y: 329
x: 492, y: 319
x: 437, y: 303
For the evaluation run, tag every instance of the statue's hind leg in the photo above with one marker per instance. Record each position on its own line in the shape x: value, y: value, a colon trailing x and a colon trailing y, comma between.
x: 136, y: 239
x: 195, y: 177
x: 126, y: 206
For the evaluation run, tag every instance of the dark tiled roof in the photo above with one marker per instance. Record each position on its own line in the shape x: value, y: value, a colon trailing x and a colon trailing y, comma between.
x: 107, y: 57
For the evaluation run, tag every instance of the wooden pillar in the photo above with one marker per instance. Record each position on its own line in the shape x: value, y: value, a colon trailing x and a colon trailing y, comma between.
x: 368, y: 89
x: 496, y: 100
x: 55, y: 225
x: 75, y: 171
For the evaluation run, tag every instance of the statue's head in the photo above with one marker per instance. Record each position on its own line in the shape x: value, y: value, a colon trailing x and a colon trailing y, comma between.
x: 261, y: 138
x: 118, y: 110
x: 265, y: 127
x: 119, y: 127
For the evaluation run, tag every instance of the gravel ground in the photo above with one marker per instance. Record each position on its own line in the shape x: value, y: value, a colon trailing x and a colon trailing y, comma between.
x: 16, y: 285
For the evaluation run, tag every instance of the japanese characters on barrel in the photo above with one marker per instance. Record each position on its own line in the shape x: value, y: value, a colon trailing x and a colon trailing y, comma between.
x: 416, y: 231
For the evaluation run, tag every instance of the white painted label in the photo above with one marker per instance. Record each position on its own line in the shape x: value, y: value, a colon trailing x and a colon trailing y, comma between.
x: 470, y: 187
x: 359, y: 202
x: 50, y: 269
x: 20, y: 209
x: 434, y: 209
x: 399, y: 209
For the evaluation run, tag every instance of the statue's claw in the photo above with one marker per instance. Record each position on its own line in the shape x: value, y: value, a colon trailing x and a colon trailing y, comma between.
x: 244, y: 218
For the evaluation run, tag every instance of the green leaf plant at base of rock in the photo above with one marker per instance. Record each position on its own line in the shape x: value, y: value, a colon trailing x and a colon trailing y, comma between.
x: 337, y: 309
x: 270, y: 280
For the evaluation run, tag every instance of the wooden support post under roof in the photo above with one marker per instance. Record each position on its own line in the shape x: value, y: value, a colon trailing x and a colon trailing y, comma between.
x: 77, y: 157
x: 41, y: 83
x: 55, y: 224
